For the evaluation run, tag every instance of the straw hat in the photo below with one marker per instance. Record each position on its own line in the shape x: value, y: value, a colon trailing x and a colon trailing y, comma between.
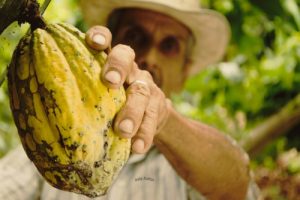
x: 210, y: 29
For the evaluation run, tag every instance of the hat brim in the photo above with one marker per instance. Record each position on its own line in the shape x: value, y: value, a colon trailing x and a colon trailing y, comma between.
x: 210, y: 29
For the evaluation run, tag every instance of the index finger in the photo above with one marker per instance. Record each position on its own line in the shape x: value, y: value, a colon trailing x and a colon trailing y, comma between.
x: 98, y: 38
x: 118, y: 67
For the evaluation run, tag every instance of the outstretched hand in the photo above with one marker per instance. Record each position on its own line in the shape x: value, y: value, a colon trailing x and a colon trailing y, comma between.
x: 146, y: 108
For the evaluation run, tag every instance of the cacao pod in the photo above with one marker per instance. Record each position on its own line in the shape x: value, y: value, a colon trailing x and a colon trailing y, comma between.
x: 64, y: 113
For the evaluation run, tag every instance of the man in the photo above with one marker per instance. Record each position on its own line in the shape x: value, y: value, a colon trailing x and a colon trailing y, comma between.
x: 156, y: 44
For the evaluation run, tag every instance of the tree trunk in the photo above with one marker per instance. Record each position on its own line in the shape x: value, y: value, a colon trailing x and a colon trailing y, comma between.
x: 273, y: 127
x: 10, y: 10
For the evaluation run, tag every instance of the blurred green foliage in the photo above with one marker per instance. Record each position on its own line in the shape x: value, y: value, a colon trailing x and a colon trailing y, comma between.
x: 259, y: 75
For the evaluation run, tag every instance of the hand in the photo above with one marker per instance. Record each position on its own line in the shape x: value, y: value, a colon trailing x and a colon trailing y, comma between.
x: 146, y: 108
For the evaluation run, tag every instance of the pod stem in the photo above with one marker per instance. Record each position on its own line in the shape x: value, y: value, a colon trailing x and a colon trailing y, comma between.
x: 32, y: 15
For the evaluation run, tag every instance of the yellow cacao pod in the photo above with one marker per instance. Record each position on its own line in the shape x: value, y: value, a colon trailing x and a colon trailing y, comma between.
x: 64, y: 113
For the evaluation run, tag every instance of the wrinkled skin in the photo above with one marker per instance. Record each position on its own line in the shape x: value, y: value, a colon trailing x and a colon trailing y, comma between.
x: 157, y: 56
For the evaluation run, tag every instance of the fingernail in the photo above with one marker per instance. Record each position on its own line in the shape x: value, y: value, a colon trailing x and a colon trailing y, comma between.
x: 113, y: 77
x: 99, y: 39
x: 126, y: 126
x: 138, y: 145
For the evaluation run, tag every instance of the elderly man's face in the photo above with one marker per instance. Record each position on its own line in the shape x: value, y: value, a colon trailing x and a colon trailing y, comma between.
x: 160, y: 44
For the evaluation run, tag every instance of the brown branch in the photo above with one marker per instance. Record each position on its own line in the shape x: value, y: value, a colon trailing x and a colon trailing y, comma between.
x: 21, y: 11
x: 273, y: 127
x: 31, y: 14
x: 9, y: 12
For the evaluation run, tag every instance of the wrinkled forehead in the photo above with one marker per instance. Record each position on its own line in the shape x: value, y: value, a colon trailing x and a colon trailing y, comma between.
x: 148, y: 19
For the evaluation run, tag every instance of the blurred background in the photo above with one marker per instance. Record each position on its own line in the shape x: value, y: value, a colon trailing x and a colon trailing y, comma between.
x: 253, y: 95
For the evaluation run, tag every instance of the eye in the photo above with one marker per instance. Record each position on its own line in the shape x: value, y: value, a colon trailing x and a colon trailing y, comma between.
x: 169, y: 46
x: 135, y: 37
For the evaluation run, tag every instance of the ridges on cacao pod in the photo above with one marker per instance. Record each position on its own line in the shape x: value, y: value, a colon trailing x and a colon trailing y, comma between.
x: 64, y: 113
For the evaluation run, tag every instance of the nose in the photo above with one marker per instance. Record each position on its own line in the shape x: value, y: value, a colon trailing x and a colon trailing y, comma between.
x: 149, y: 61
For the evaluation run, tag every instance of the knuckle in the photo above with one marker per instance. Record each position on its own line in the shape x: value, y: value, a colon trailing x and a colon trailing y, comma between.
x: 145, y: 133
x: 146, y: 75
x: 151, y: 112
x: 132, y: 110
x: 139, y: 89
x: 121, y: 58
x: 92, y: 31
x: 156, y: 91
x: 125, y: 49
x: 99, y: 29
x: 104, y: 29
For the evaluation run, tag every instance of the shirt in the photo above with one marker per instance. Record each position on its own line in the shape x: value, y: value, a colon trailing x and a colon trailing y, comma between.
x: 144, y: 177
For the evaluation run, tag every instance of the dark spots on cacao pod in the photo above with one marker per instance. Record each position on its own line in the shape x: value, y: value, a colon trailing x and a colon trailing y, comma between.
x: 105, y: 132
x: 109, y: 124
x: 65, y: 129
x: 107, y: 172
x: 47, y: 98
x: 71, y: 155
x: 83, y: 148
x: 26, y: 41
x: 60, y: 183
x: 52, y: 92
x: 46, y: 145
x: 99, y: 108
x: 69, y: 168
x: 60, y: 141
x: 30, y: 110
x: 54, y: 159
x: 22, y: 52
x: 81, y: 134
x: 97, y: 164
x: 105, y: 145
x: 94, y: 194
x: 73, y: 146
x: 77, y: 54
x: 66, y: 138
x: 105, y: 156
x: 83, y: 170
